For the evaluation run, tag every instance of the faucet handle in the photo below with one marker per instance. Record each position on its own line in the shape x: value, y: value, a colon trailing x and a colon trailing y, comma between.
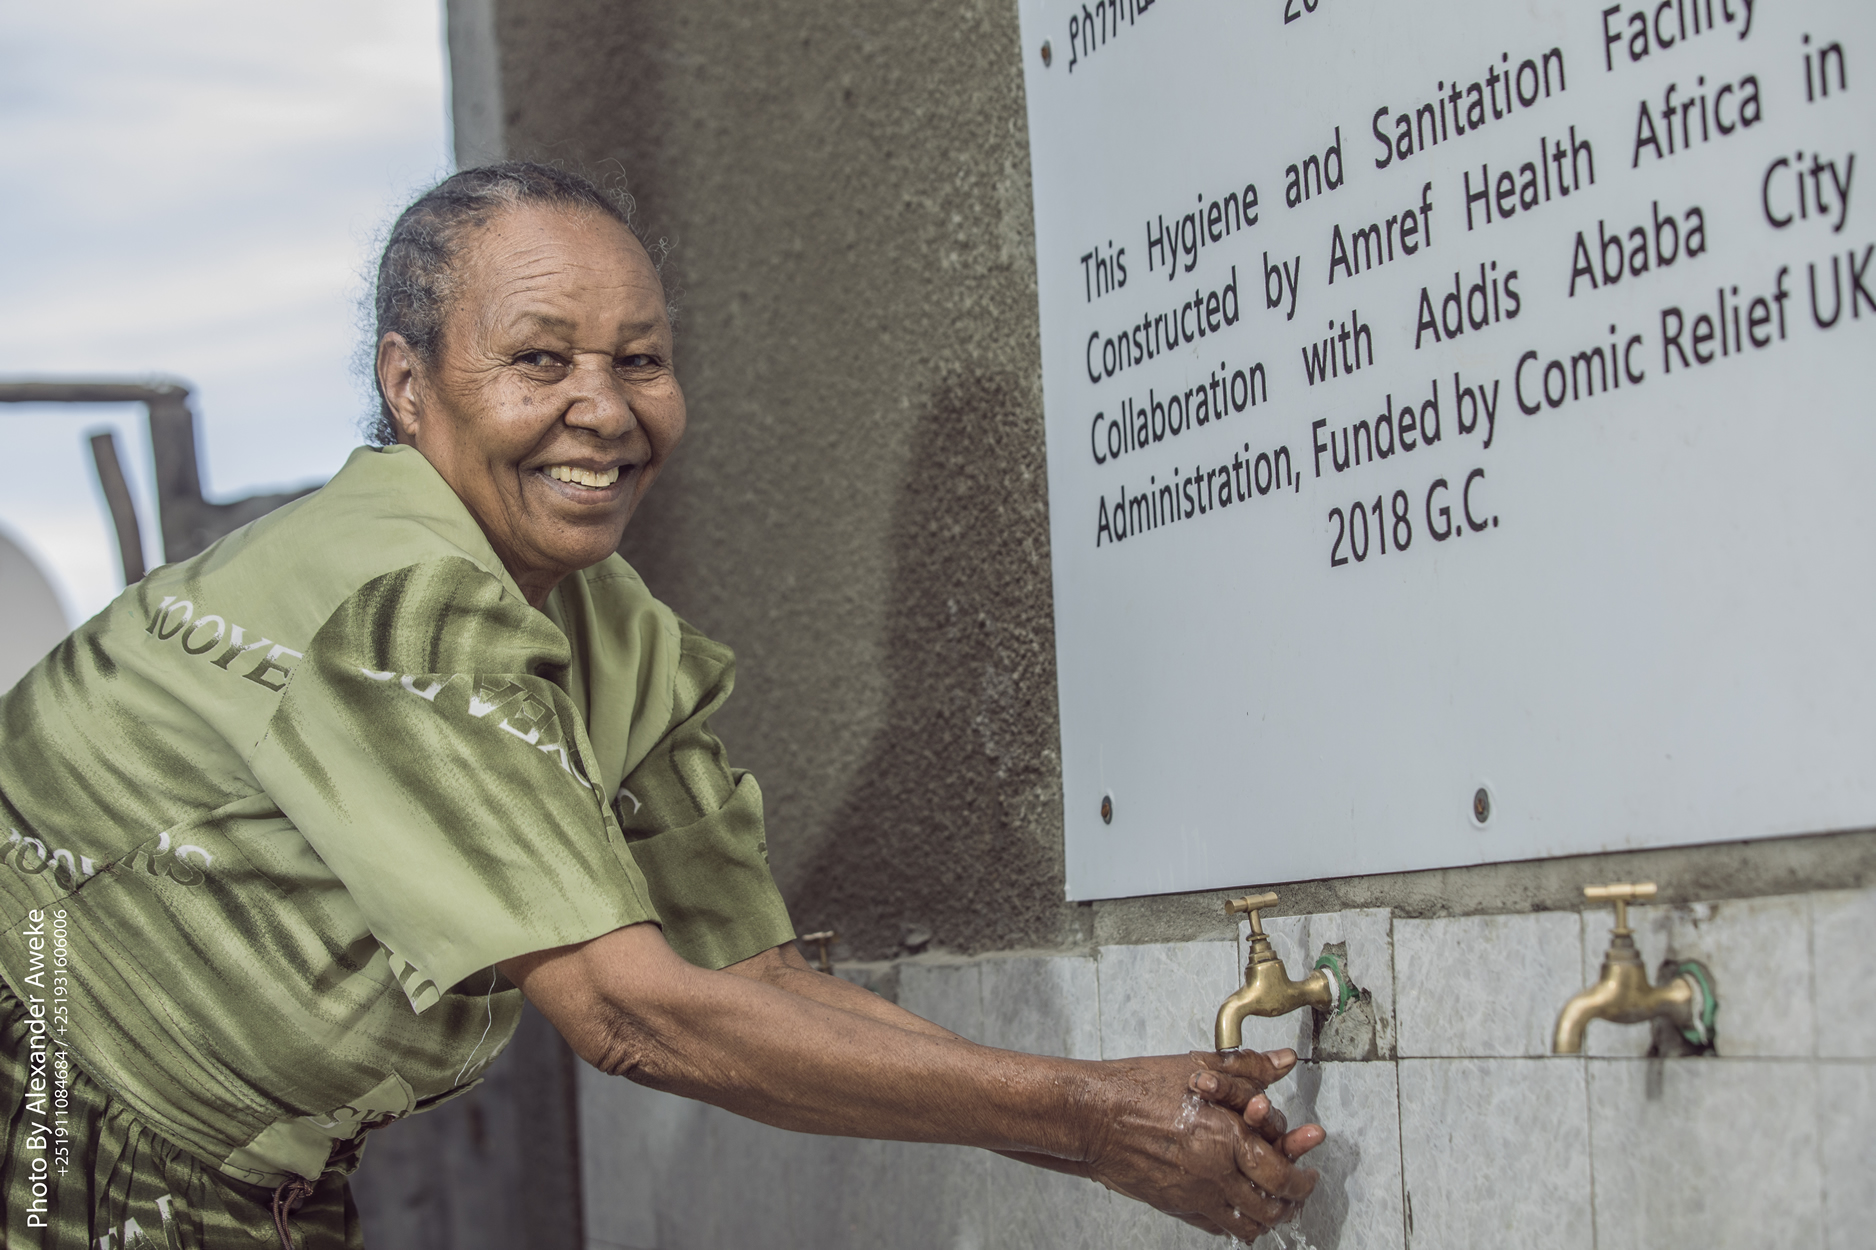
x: 823, y: 937
x: 1252, y: 904
x: 1621, y: 895
x: 1627, y: 893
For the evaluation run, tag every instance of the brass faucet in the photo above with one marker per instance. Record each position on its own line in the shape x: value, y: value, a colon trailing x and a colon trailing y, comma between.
x: 1268, y: 990
x: 1623, y: 994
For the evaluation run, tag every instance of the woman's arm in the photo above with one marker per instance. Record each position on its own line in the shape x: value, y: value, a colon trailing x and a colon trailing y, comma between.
x: 785, y: 969
x: 1237, y: 1081
x: 631, y: 1007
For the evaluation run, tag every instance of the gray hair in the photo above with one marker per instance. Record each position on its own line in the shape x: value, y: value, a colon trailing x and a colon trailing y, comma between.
x: 416, y: 278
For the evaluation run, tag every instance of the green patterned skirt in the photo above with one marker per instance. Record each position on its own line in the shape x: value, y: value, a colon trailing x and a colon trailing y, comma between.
x: 79, y: 1171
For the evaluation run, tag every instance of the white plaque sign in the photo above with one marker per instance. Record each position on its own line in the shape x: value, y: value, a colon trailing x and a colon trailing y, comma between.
x: 1461, y: 440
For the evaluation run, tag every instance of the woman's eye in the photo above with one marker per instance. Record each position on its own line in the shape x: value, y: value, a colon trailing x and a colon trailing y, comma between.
x: 637, y: 361
x: 537, y: 360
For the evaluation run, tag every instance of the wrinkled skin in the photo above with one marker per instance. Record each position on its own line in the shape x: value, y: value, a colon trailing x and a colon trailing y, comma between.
x: 1233, y: 1171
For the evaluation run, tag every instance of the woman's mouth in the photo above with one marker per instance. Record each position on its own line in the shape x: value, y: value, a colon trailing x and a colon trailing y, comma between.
x: 589, y: 478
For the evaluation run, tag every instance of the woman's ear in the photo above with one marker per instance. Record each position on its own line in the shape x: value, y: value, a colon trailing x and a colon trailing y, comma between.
x: 397, y: 381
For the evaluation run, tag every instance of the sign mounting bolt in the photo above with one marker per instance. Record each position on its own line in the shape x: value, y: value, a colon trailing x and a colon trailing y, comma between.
x: 1107, y: 809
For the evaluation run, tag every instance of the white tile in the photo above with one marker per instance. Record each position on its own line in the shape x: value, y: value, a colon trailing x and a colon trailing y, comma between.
x: 1030, y: 1208
x: 1132, y: 1225
x: 1496, y: 1153
x: 666, y: 1173
x: 1043, y: 1005
x: 1357, y: 1202
x: 948, y: 994
x: 1842, y: 924
x: 1163, y: 999
x: 1484, y: 985
x: 1758, y: 951
x: 1846, y: 1102
x: 627, y: 1136
x: 1716, y: 1153
x: 873, y: 1195
x: 1368, y: 935
x: 723, y: 1180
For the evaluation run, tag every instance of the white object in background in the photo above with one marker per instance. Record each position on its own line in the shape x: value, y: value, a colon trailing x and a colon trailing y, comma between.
x: 33, y: 622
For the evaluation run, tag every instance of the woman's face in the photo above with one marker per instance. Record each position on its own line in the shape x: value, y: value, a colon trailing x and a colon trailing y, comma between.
x: 552, y: 404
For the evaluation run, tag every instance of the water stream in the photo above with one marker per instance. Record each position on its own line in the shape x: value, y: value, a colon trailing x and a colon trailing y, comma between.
x: 1286, y: 1237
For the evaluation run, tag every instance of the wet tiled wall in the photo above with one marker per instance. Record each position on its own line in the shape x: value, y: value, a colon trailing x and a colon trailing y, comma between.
x: 1451, y: 1126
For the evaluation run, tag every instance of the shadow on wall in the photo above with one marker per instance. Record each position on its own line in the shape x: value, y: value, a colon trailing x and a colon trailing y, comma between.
x: 953, y: 835
x: 1337, y: 1159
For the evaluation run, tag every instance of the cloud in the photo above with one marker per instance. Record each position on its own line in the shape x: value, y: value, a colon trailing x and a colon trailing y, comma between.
x: 193, y: 189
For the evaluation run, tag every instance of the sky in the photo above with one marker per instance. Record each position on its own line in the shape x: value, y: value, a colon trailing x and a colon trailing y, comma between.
x: 193, y: 190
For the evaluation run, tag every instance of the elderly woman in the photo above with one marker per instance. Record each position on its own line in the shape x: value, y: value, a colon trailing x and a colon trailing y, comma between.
x: 294, y: 825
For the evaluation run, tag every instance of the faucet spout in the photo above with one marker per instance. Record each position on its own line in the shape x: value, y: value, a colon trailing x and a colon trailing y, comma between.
x: 1228, y: 1033
x: 1267, y: 989
x: 1623, y: 994
x: 1573, y: 1020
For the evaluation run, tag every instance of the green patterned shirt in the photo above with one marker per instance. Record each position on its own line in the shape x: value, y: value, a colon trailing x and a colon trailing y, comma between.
x: 296, y: 797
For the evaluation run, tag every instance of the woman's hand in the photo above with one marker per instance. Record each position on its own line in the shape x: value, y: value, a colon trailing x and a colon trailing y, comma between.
x: 1207, y: 1163
x: 1238, y: 1079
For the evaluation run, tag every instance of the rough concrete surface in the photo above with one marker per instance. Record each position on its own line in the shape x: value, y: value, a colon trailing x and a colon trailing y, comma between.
x: 860, y: 507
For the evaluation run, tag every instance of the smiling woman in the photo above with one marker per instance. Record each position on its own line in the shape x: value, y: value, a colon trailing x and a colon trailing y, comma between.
x: 302, y: 869
x: 524, y: 347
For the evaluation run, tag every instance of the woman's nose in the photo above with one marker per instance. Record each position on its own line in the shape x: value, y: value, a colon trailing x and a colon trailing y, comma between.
x: 600, y: 402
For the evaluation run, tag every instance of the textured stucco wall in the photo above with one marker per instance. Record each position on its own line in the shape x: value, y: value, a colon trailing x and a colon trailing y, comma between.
x: 859, y: 507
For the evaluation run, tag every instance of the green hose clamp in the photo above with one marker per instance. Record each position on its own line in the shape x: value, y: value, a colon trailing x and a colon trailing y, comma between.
x: 1346, y: 992
x: 1701, y: 1032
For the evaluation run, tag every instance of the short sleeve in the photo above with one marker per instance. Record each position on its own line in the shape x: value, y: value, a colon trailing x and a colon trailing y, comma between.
x: 695, y: 828
x: 426, y: 750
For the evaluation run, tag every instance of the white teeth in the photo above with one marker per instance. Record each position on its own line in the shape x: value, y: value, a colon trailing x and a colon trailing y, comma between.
x: 583, y: 477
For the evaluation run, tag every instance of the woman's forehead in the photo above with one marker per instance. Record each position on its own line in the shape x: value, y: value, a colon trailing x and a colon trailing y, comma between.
x: 531, y: 233
x: 571, y: 319
x: 554, y: 269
